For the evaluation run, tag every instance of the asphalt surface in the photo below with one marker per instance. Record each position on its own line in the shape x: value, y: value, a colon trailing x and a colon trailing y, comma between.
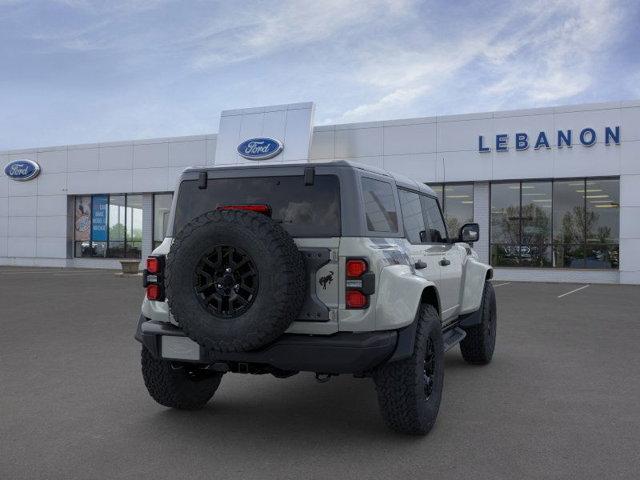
x: 560, y: 400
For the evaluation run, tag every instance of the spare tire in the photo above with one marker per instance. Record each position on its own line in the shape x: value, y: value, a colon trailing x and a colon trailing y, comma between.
x: 235, y: 280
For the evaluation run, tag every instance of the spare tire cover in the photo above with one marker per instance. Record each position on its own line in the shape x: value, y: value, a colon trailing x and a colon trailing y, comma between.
x: 235, y: 280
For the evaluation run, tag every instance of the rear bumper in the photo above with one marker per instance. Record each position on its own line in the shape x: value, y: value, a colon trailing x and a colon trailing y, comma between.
x: 342, y: 352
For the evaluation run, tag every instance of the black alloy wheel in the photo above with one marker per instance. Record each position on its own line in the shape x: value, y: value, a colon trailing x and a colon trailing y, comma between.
x: 226, y: 281
x: 429, y: 368
x: 235, y: 280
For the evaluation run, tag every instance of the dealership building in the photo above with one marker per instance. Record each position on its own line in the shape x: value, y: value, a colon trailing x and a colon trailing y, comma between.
x: 556, y: 190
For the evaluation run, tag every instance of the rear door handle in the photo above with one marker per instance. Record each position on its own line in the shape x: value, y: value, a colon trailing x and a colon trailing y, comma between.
x: 419, y: 265
x: 444, y: 262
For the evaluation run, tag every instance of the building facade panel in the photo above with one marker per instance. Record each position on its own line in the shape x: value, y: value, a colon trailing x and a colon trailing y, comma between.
x: 322, y: 145
x: 82, y: 159
x: 187, y: 153
x: 54, y: 160
x: 151, y: 155
x: 22, y: 247
x: 409, y: 139
x: 419, y: 166
x: 22, y: 206
x: 629, y: 154
x: 51, y: 247
x: 52, y: 183
x: 94, y: 201
x: 52, y: 226
x: 358, y: 142
x: 50, y: 205
x: 4, y: 227
x: 116, y: 157
x: 22, y: 227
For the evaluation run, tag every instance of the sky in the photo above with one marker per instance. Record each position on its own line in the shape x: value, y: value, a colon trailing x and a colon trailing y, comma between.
x: 80, y: 71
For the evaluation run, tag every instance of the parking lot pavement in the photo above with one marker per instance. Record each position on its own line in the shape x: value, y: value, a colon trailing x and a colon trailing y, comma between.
x: 560, y: 399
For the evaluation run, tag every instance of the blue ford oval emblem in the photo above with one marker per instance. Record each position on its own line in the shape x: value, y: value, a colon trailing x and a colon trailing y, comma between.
x: 260, y: 148
x: 22, y: 170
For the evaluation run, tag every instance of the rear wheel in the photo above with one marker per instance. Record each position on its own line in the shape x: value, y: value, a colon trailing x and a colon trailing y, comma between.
x: 478, y: 346
x: 178, y: 385
x: 409, y: 391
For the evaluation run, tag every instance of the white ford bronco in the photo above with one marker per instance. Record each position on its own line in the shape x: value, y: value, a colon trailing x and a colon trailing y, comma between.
x: 332, y: 268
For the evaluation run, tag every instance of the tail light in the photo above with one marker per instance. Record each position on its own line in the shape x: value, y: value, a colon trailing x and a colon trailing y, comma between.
x: 356, y: 299
x: 153, y: 292
x: 153, y: 278
x: 356, y: 267
x: 153, y: 265
x: 258, y: 208
x: 360, y: 283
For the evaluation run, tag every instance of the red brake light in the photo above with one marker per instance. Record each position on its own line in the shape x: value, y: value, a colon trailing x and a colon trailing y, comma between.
x: 264, y: 209
x: 153, y: 265
x: 355, y: 268
x: 356, y: 299
x: 153, y: 291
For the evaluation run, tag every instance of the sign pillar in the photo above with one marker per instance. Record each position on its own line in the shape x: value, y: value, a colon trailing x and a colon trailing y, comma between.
x: 274, y: 134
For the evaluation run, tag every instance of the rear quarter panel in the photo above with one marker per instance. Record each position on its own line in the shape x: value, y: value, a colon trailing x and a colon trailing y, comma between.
x: 398, y: 290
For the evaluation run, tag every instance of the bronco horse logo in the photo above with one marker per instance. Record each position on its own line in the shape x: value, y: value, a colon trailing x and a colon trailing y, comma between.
x: 326, y: 280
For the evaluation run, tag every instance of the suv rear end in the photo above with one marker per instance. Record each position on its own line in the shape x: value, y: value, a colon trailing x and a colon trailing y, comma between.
x: 319, y: 206
x: 322, y: 268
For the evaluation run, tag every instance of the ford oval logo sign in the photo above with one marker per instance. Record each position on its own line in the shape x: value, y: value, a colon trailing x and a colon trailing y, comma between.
x: 22, y: 170
x: 260, y: 148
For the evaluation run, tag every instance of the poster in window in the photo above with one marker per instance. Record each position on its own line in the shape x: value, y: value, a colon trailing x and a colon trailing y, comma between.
x: 83, y: 219
x: 99, y: 218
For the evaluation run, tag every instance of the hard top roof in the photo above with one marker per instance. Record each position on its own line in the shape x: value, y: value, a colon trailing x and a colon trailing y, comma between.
x: 400, y: 180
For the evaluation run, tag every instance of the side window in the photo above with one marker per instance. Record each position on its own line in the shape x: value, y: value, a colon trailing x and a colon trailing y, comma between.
x: 436, y: 230
x: 412, y: 217
x: 379, y: 206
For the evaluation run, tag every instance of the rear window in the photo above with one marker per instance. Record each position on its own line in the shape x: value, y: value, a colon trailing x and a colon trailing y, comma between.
x: 303, y: 210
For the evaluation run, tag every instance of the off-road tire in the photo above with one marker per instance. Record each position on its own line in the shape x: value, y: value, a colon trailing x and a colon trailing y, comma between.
x: 478, y: 346
x: 404, y: 405
x: 281, y: 280
x: 180, y: 386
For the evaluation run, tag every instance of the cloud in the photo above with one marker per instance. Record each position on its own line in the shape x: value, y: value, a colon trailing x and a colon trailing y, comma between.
x: 552, y: 60
x: 124, y: 69
x: 287, y: 25
x: 541, y: 53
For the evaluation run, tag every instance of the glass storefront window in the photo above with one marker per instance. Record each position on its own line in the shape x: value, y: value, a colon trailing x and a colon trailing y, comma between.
x: 505, y: 224
x: 117, y: 219
x: 568, y: 223
x: 564, y: 224
x: 108, y: 226
x: 134, y: 226
x: 456, y: 201
x: 603, y: 223
x: 535, y: 249
x: 161, y: 209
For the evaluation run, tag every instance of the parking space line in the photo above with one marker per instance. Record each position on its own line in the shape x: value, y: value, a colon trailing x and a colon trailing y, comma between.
x: 573, y: 291
x: 501, y: 284
x: 81, y: 273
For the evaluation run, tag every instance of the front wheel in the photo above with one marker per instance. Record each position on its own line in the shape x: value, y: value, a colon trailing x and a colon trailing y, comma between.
x: 178, y: 385
x: 478, y: 346
x: 409, y: 391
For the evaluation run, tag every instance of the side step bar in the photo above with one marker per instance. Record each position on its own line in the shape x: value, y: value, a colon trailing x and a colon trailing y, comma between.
x: 453, y: 337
